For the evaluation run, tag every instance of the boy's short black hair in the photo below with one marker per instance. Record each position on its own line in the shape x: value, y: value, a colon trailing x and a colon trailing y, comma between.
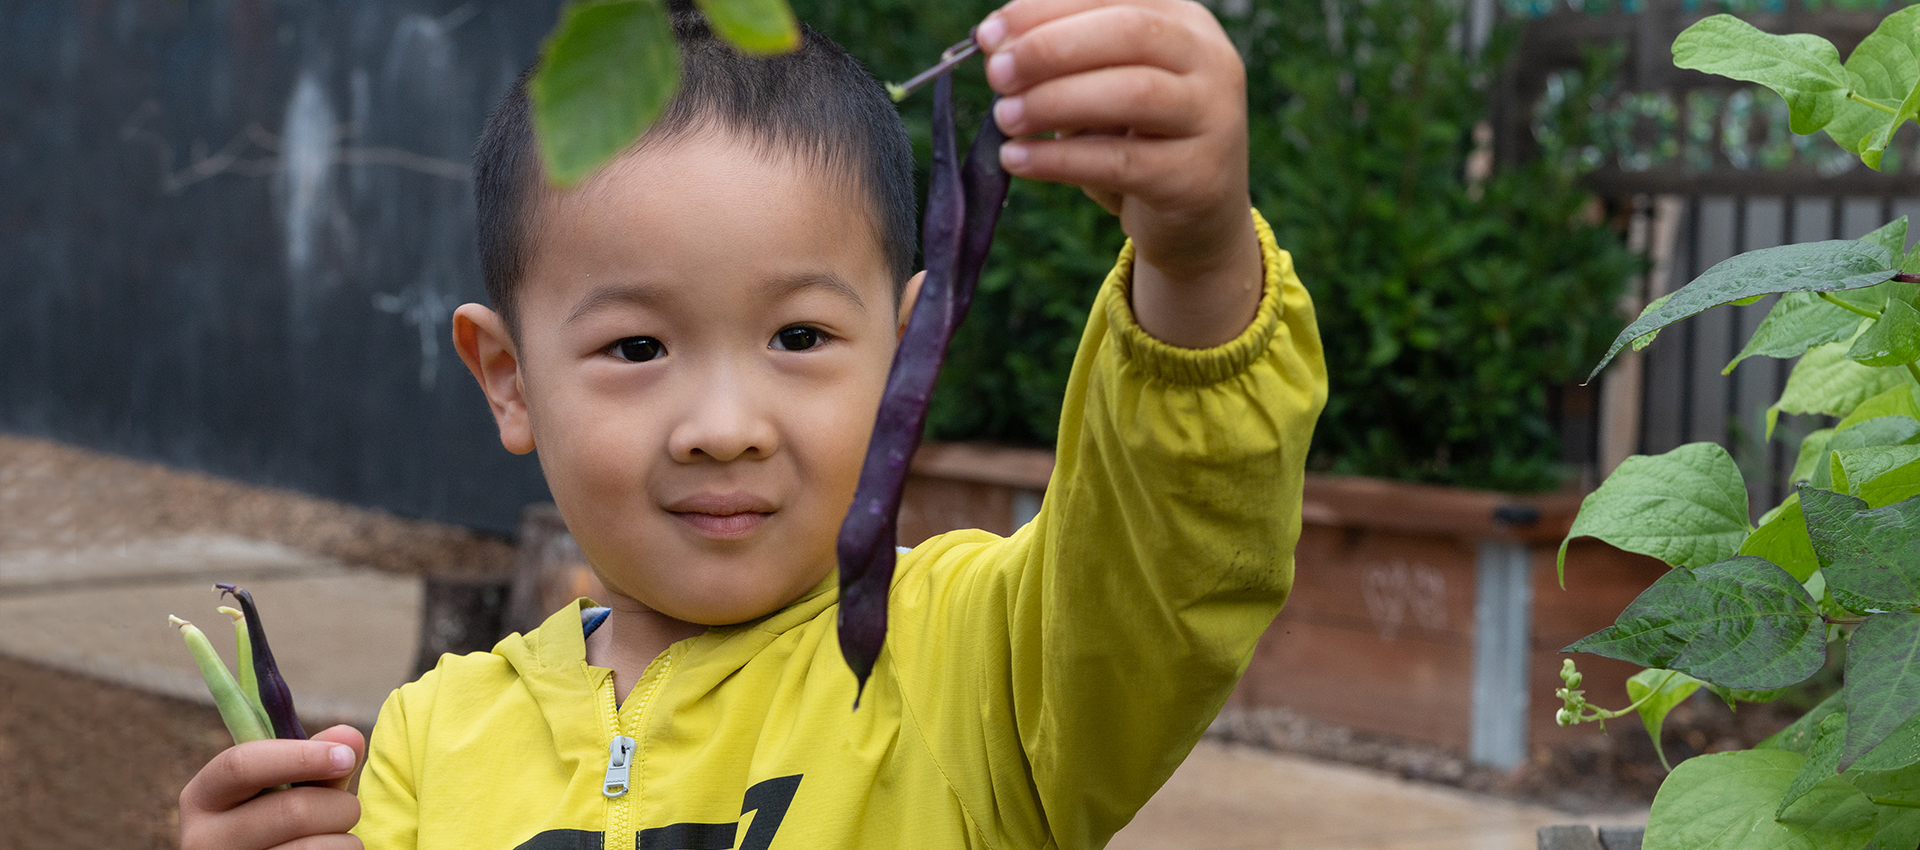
x: 816, y: 102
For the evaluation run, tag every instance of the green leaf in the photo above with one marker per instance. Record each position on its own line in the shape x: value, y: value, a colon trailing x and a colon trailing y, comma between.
x: 1897, y: 829
x: 1826, y: 381
x: 1882, y: 69
x: 1895, y: 401
x: 1807, y: 267
x: 1813, y: 455
x: 1661, y: 690
x: 1870, y: 556
x: 1803, y: 69
x: 1783, y: 540
x: 1726, y: 801
x: 1798, y: 736
x: 1879, y: 475
x: 1739, y: 623
x: 1899, y: 751
x: 1882, y: 681
x: 1823, y: 761
x: 1687, y: 507
x: 1891, y: 340
x: 1892, y: 235
x: 758, y: 27
x: 606, y: 72
x: 1797, y: 322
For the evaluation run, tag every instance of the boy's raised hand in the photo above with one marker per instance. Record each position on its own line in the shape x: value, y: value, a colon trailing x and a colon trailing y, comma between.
x: 1146, y: 104
x: 222, y: 807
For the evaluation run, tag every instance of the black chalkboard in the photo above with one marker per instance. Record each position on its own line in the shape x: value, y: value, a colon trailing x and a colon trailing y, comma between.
x: 231, y: 235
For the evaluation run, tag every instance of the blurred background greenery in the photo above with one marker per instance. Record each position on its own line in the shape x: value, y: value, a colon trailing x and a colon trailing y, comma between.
x: 1450, y: 308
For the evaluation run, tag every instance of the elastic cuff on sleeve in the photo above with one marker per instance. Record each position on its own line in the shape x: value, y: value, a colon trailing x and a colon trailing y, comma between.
x: 1198, y: 366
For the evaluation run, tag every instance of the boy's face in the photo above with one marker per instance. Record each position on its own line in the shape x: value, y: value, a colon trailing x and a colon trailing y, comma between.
x: 704, y: 333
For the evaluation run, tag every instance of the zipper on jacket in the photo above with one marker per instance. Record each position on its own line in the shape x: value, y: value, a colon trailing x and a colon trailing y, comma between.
x: 617, y: 785
x: 619, y: 766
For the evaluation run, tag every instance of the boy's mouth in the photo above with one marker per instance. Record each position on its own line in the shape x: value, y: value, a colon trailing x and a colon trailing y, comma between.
x: 722, y: 514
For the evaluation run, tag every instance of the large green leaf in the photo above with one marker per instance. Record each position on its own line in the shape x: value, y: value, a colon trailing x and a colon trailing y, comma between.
x: 1783, y: 540
x: 1797, y: 322
x: 1807, y: 267
x: 1870, y: 556
x: 1882, y: 681
x: 1891, y: 340
x: 1726, y: 801
x: 759, y: 27
x: 1739, y: 623
x: 1687, y: 507
x: 1826, y: 381
x: 1823, y: 760
x: 1798, y: 736
x: 1804, y: 69
x: 1656, y: 692
x: 607, y: 70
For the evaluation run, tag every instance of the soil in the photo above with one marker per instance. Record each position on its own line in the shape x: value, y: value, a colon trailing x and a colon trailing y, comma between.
x: 54, y: 496
x: 85, y: 764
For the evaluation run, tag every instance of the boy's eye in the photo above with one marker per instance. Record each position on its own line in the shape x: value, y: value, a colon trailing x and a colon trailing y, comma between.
x: 638, y: 349
x: 797, y: 338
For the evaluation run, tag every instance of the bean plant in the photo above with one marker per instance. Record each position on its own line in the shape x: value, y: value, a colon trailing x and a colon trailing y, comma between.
x: 1751, y: 609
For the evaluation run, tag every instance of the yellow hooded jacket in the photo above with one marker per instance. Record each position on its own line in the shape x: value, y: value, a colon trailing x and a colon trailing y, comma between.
x: 1034, y: 691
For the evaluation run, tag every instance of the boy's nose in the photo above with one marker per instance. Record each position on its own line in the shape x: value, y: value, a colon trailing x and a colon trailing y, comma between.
x: 723, y: 421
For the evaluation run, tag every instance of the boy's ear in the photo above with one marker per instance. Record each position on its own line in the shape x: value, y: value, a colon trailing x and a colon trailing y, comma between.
x: 480, y: 335
x: 909, y: 294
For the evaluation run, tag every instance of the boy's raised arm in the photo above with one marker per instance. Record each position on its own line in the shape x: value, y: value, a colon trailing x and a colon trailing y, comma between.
x: 1090, y: 649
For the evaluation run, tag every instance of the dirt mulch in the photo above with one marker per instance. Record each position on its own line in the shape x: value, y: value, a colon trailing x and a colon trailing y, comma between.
x: 55, y: 496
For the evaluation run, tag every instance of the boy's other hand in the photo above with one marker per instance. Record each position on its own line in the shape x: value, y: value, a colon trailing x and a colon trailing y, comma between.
x: 223, y: 807
x: 1147, y: 107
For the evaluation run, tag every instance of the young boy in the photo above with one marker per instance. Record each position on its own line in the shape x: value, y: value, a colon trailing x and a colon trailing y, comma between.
x: 696, y: 340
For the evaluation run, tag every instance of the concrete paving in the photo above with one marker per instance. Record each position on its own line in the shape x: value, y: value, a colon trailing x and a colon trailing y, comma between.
x: 346, y: 636
x: 1233, y: 797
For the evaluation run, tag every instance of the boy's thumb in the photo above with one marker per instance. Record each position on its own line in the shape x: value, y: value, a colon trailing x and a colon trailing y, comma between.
x: 351, y: 738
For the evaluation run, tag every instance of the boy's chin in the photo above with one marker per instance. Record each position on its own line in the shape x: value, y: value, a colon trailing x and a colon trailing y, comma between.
x: 727, y: 603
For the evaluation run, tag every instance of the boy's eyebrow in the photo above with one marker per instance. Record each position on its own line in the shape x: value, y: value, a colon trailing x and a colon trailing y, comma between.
x: 609, y: 294
x: 786, y: 285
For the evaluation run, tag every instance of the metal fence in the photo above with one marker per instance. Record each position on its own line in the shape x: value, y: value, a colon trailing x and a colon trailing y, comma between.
x: 232, y: 233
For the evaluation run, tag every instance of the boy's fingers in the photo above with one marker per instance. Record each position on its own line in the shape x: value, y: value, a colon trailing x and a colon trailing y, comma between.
x: 1100, y: 38
x: 350, y: 737
x: 289, y: 816
x: 1125, y: 166
x: 241, y: 772
x: 323, y: 842
x: 1147, y: 101
x: 1019, y: 16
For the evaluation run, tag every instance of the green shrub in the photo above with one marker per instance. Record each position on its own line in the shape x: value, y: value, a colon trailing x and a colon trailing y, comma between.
x: 1447, y: 311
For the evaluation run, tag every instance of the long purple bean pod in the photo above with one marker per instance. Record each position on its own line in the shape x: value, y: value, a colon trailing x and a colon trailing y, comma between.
x: 276, y: 699
x: 963, y: 204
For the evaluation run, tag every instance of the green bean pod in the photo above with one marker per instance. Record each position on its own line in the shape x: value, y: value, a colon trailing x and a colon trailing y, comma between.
x: 235, y: 709
x: 243, y: 654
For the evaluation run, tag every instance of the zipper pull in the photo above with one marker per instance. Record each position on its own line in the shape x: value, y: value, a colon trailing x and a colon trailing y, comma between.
x: 619, y: 761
